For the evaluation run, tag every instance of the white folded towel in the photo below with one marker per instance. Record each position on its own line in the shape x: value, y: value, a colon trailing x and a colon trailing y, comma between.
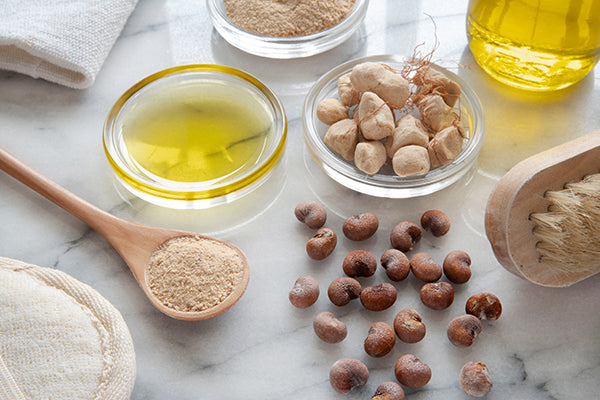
x: 62, y: 41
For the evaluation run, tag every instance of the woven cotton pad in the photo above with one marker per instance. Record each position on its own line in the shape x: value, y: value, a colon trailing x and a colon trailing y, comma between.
x: 60, y: 339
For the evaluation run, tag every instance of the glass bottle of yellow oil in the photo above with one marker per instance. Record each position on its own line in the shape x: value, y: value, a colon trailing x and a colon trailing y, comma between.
x: 535, y: 44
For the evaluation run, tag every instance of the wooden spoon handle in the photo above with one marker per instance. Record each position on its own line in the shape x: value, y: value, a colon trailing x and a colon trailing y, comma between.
x: 99, y: 220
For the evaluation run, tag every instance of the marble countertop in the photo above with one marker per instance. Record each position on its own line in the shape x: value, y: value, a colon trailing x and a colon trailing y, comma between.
x: 546, y: 345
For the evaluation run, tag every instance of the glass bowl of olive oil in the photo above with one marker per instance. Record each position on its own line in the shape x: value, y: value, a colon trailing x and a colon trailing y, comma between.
x: 195, y: 136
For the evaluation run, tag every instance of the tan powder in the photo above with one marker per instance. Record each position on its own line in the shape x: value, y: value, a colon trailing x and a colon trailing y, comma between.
x: 287, y: 18
x: 191, y: 274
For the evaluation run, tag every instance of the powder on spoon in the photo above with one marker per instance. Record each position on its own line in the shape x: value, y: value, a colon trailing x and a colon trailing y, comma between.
x: 287, y: 18
x: 192, y: 274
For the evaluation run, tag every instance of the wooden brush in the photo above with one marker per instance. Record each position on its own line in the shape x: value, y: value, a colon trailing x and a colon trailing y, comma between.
x: 543, y: 217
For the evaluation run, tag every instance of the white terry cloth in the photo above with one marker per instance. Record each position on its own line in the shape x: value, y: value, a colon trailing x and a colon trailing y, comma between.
x: 62, y: 41
x: 60, y: 339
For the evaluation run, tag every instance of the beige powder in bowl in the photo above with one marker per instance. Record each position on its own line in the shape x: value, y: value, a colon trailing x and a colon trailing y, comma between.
x: 193, y: 274
x: 287, y: 18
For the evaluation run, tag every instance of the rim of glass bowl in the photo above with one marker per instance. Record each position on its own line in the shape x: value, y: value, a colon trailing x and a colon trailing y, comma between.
x: 286, y: 47
x: 383, y: 185
x: 193, y: 194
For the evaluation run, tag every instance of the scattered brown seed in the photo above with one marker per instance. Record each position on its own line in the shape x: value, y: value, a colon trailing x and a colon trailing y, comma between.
x: 411, y: 372
x: 475, y: 379
x: 305, y: 292
x: 359, y: 263
x: 321, y: 244
x: 424, y: 268
x: 435, y: 221
x: 360, y: 227
x: 380, y: 340
x: 389, y: 391
x: 346, y: 374
x: 437, y: 295
x: 378, y: 298
x: 311, y: 213
x: 405, y: 235
x: 463, y: 330
x: 457, y: 266
x: 328, y: 328
x: 396, y: 264
x: 343, y: 290
x: 409, y: 326
x: 484, y: 306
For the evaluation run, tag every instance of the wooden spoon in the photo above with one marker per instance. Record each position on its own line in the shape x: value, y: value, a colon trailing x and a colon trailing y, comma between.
x: 520, y: 193
x: 134, y: 242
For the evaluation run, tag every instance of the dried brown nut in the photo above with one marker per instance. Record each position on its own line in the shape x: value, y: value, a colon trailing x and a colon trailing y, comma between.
x: 346, y: 374
x: 405, y: 235
x: 361, y: 226
x: 370, y: 156
x: 411, y: 160
x: 475, y: 379
x: 330, y: 111
x: 389, y: 391
x: 380, y: 340
x: 305, y: 292
x: 437, y: 295
x: 311, y: 213
x: 424, y: 268
x: 328, y: 328
x: 436, y: 221
x: 343, y: 290
x: 409, y: 326
x: 484, y: 305
x: 463, y: 330
x: 457, y: 266
x: 342, y: 137
x: 411, y: 372
x: 321, y: 244
x: 396, y: 264
x: 378, y: 298
x: 349, y: 96
x: 359, y: 263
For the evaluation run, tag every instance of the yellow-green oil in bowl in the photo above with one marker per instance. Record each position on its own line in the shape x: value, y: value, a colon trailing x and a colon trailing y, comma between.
x: 195, y: 136
x: 535, y: 45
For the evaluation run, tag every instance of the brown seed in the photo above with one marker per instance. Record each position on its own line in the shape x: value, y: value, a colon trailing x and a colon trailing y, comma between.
x: 359, y: 263
x: 380, y: 340
x: 396, y: 264
x: 378, y: 298
x: 321, y: 244
x: 475, y: 379
x: 311, y: 213
x: 457, y: 266
x: 343, y: 290
x: 305, y: 292
x: 361, y: 226
x: 389, y: 391
x: 437, y: 295
x: 463, y: 330
x: 405, y: 235
x: 328, y: 328
x: 435, y: 221
x: 347, y: 373
x: 411, y: 372
x: 484, y: 305
x: 409, y: 326
x: 424, y: 268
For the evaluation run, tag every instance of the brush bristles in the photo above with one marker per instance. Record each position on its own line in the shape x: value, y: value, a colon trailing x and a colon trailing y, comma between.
x: 569, y: 233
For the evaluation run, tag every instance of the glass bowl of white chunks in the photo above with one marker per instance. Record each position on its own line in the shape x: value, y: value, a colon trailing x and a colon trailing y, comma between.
x: 391, y: 126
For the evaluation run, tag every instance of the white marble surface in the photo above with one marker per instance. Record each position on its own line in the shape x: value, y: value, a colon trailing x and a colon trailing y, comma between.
x: 545, y: 346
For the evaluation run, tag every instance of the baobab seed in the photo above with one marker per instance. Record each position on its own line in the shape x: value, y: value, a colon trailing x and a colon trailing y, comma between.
x: 305, y: 292
x: 359, y: 263
x: 396, y: 265
x: 361, y: 226
x: 343, y: 290
x: 321, y: 244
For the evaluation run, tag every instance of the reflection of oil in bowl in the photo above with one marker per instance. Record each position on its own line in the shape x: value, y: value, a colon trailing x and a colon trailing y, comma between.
x: 195, y: 136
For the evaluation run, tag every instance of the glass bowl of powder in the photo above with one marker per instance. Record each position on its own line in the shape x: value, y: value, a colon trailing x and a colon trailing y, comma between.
x: 286, y: 29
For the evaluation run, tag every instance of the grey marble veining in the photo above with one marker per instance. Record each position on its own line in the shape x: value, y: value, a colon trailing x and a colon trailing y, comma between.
x: 546, y: 345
